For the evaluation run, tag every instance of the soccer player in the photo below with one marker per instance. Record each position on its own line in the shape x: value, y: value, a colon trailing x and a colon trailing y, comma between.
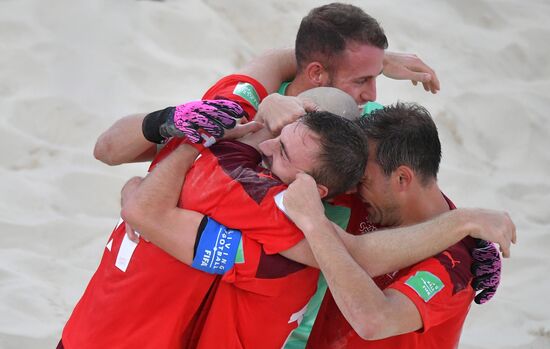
x: 422, y: 306
x: 254, y: 290
x: 330, y: 51
x: 121, y: 144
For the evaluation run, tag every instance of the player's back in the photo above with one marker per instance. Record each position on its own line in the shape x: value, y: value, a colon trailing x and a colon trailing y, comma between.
x: 138, y: 297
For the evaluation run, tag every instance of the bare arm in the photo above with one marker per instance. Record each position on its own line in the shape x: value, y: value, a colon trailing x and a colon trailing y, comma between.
x: 152, y: 209
x: 373, y: 313
x: 123, y: 142
x: 406, y: 66
x: 272, y: 68
x: 388, y: 250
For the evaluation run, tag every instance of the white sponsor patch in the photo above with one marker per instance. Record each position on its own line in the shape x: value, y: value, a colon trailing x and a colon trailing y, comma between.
x: 125, y: 253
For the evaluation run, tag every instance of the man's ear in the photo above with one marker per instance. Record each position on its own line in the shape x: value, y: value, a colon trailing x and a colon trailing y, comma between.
x: 403, y: 177
x: 323, y: 191
x: 317, y: 74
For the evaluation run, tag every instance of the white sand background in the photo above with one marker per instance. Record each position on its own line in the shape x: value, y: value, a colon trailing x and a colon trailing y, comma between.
x: 69, y: 68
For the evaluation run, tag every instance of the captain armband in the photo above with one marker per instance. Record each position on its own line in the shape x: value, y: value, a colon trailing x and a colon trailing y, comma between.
x: 216, y: 247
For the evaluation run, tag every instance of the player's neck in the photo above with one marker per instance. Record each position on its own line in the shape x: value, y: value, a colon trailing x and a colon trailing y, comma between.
x: 299, y: 85
x: 426, y: 203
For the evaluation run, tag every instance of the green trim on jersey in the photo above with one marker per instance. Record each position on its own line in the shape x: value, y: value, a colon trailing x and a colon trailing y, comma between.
x: 370, y: 107
x: 339, y: 215
x: 283, y: 87
x: 300, y: 335
x: 298, y: 338
x: 239, y: 257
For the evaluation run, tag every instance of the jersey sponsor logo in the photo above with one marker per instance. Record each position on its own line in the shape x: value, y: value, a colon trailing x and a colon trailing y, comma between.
x: 425, y: 284
x: 248, y: 92
x: 366, y: 227
x: 453, y: 261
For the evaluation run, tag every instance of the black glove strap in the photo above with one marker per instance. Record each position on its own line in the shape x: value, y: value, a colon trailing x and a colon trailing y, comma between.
x: 151, y: 124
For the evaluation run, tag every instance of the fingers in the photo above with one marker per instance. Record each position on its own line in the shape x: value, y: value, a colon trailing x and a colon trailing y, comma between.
x: 512, y: 228
x: 309, y: 106
x: 233, y: 109
x: 243, y: 130
x: 305, y: 178
x: 505, y: 249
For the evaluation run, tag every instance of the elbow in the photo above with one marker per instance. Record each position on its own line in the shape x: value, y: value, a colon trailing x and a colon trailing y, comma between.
x: 103, y: 151
x: 370, y: 326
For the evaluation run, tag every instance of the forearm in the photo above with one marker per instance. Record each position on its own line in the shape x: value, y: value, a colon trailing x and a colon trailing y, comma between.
x: 359, y: 299
x: 152, y: 208
x: 388, y: 250
x: 272, y: 68
x: 123, y: 142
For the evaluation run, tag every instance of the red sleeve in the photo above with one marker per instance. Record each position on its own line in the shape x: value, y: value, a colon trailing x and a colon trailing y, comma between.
x: 248, y: 92
x: 430, y: 286
x: 227, y: 185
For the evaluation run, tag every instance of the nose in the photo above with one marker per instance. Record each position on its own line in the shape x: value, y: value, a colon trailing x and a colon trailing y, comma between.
x: 368, y: 94
x: 266, y: 147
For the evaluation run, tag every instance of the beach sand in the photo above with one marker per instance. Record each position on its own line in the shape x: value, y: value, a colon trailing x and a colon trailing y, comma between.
x: 69, y: 69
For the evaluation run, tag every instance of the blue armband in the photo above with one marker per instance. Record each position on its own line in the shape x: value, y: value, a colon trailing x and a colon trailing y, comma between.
x: 217, y: 248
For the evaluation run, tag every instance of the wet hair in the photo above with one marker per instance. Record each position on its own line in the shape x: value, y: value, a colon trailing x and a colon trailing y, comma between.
x: 343, y: 151
x: 404, y: 134
x: 326, y: 30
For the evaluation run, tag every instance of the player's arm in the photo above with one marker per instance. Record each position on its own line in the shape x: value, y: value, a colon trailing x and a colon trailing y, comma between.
x: 388, y: 250
x: 406, y: 66
x: 151, y: 206
x: 396, y: 65
x: 271, y: 68
x: 124, y: 141
x: 373, y: 313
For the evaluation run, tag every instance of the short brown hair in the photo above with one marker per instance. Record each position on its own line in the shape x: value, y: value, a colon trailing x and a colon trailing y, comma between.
x: 325, y: 31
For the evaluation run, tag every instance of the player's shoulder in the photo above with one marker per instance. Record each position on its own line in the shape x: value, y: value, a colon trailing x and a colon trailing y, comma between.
x: 245, y: 90
x: 456, y: 262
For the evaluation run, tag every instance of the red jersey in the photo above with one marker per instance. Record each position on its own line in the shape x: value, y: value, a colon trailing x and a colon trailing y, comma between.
x: 142, y: 297
x: 259, y: 303
x: 266, y: 286
x: 438, y: 286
